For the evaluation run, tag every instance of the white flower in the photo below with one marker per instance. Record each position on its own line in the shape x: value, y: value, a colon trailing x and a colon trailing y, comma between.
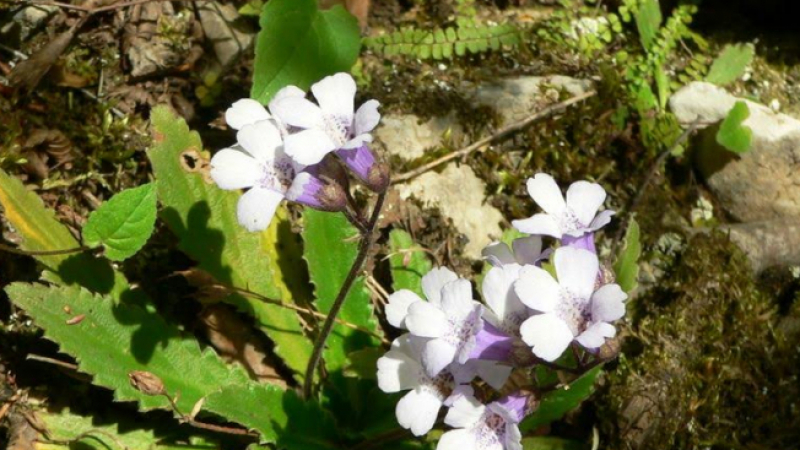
x: 507, y: 311
x: 432, y: 284
x: 400, y: 369
x: 259, y: 163
x: 248, y: 111
x: 329, y: 125
x: 571, y: 308
x: 526, y: 250
x: 490, y: 427
x: 575, y: 217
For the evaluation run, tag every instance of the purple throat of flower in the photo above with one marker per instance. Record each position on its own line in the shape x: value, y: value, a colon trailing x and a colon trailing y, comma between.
x: 518, y: 404
x: 585, y: 242
x: 361, y: 160
x: 492, y: 344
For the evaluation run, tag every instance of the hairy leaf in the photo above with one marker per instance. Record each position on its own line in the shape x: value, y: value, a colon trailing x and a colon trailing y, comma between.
x: 626, y: 268
x: 203, y: 217
x: 123, y: 224
x: 330, y: 251
x: 732, y: 134
x: 298, y: 44
x: 408, y: 262
x: 648, y: 21
x: 730, y: 64
x: 561, y: 401
x: 112, y: 339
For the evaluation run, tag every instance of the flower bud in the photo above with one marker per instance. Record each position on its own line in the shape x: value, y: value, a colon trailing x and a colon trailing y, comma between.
x: 361, y: 160
x: 146, y: 383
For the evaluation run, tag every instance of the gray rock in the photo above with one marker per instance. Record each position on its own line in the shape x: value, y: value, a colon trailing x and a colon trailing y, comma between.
x: 769, y: 243
x: 403, y: 135
x: 149, y: 52
x: 229, y: 36
x: 25, y: 23
x: 459, y: 195
x: 760, y: 185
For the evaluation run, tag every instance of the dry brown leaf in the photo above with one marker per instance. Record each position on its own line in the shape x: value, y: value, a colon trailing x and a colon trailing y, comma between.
x: 358, y: 8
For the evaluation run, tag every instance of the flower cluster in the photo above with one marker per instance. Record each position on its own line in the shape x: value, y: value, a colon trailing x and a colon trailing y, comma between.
x: 286, y: 151
x: 537, y: 303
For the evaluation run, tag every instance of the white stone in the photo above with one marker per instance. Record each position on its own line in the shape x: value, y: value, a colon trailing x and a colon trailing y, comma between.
x: 403, y: 135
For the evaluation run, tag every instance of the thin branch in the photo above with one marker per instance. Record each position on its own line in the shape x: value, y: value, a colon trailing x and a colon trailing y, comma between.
x: 503, y: 132
x: 355, y: 220
x: 16, y: 251
x: 327, y: 326
x: 56, y: 362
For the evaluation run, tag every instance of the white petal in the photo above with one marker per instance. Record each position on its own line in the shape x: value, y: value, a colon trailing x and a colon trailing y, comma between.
x: 584, y: 199
x: 434, y: 281
x: 577, y: 270
x: 458, y: 440
x: 261, y: 139
x: 513, y: 437
x: 335, y: 95
x: 465, y: 412
x: 367, y: 117
x: 527, y: 250
x: 548, y: 336
x: 498, y: 253
x: 493, y: 373
x: 498, y: 290
x: 397, y: 308
x: 308, y: 146
x: 543, y: 224
x: 398, y: 371
x: 437, y: 354
x: 287, y: 92
x: 358, y: 141
x: 595, y: 336
x: 601, y: 220
x: 608, y: 303
x: 245, y: 112
x: 234, y: 169
x: 256, y: 208
x: 546, y: 193
x: 417, y: 411
x: 537, y: 289
x: 297, y: 112
x: 426, y: 320
x: 457, y: 300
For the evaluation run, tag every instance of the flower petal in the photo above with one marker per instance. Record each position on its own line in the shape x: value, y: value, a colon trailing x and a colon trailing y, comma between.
x: 457, y: 300
x: 458, y: 440
x: 595, y: 336
x: 335, y: 95
x: 498, y: 253
x: 308, y: 146
x: 493, y: 373
x: 437, y: 354
x: 528, y: 250
x: 584, y: 199
x: 498, y: 290
x: 546, y: 193
x: 543, y: 224
x: 398, y: 371
x: 513, y: 438
x: 367, y: 117
x: 397, y: 308
x: 434, y: 281
x: 601, y: 220
x: 297, y: 112
x: 577, y: 270
x: 417, y: 411
x: 608, y: 303
x: 537, y: 289
x: 426, y: 320
x: 287, y: 92
x: 245, y: 112
x: 548, y: 336
x: 358, y: 141
x: 234, y: 169
x: 256, y: 208
x: 465, y: 412
x: 261, y: 139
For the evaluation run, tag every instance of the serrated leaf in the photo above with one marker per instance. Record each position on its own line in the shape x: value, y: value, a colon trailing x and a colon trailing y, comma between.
x: 407, y: 262
x: 111, y: 339
x: 732, y: 133
x: 41, y: 231
x: 730, y: 64
x: 280, y: 417
x: 648, y: 21
x: 203, y: 217
x: 123, y: 224
x: 626, y: 268
x: 555, y: 404
x: 330, y: 251
x: 363, y: 364
x: 298, y: 45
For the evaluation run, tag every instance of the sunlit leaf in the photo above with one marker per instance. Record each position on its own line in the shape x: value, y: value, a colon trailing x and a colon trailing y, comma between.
x: 732, y: 134
x: 123, y: 224
x: 730, y: 64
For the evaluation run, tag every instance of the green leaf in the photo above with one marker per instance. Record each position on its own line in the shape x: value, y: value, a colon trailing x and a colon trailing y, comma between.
x: 550, y: 443
x: 111, y: 339
x: 626, y: 268
x: 123, y: 224
x: 203, y: 217
x: 408, y: 262
x: 279, y: 416
x: 732, y: 134
x: 41, y: 231
x: 363, y: 364
x: 648, y: 21
x: 330, y: 249
x: 730, y: 64
x: 298, y: 45
x: 561, y: 401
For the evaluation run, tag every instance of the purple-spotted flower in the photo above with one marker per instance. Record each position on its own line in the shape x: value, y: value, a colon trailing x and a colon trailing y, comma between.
x: 485, y: 427
x: 400, y: 369
x: 571, y: 219
x: 524, y: 250
x: 569, y: 308
x: 332, y: 125
x: 258, y: 162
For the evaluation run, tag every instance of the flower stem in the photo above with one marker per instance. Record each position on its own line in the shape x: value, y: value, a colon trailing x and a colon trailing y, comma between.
x: 363, y: 250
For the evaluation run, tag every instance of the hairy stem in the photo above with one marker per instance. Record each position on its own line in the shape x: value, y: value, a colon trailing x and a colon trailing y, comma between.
x: 363, y: 250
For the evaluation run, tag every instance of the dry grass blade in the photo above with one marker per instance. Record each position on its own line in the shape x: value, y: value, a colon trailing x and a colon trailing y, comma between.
x: 27, y: 74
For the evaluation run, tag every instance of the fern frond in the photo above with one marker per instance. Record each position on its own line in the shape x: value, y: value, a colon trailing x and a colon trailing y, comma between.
x: 445, y: 43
